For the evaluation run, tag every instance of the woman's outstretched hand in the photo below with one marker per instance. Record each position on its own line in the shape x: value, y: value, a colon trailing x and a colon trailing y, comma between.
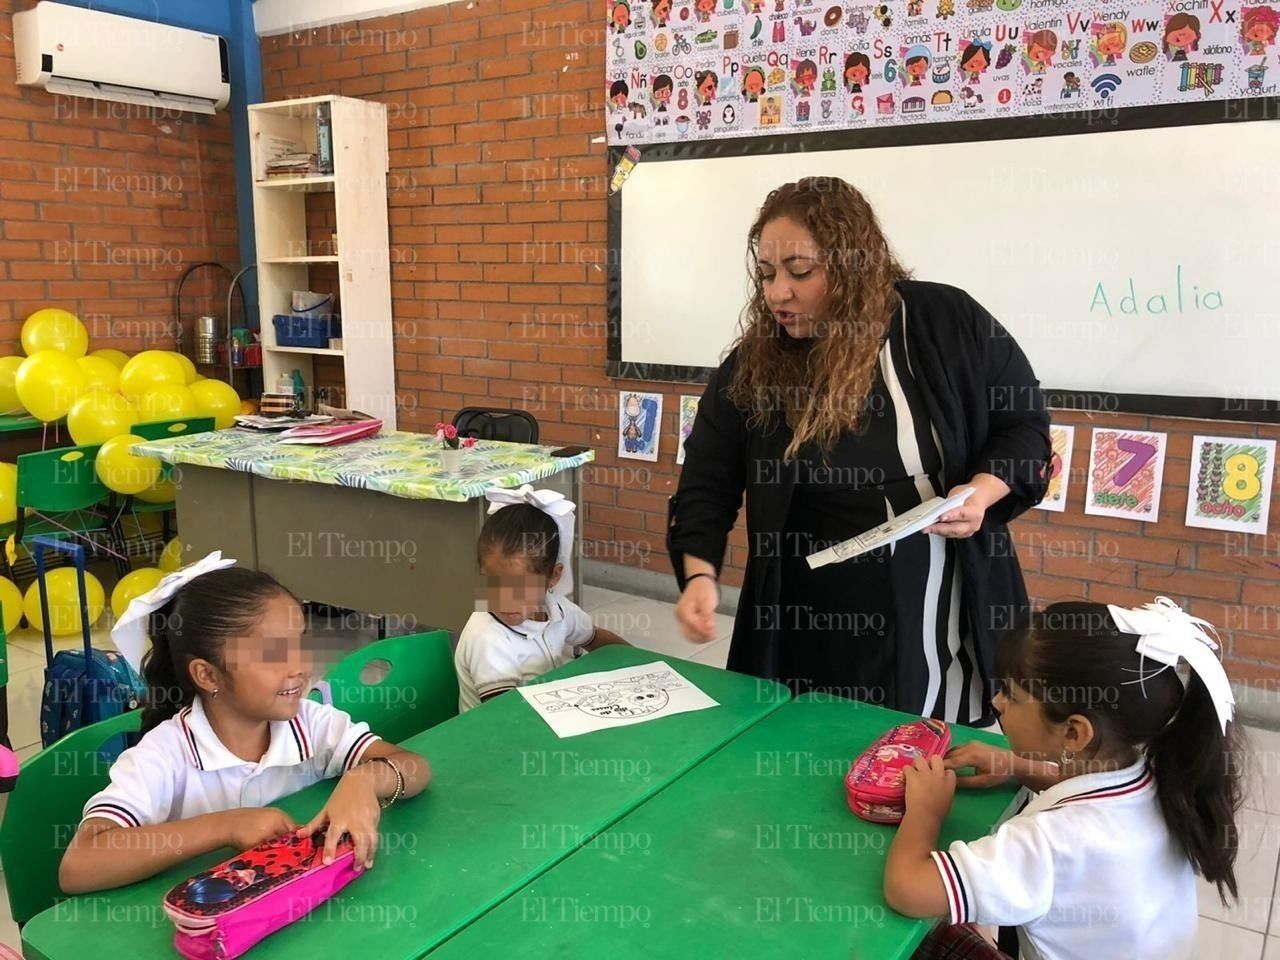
x: 696, y: 611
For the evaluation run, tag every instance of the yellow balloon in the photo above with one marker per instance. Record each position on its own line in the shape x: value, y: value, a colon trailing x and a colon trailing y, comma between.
x: 168, y: 401
x: 149, y: 369
x: 162, y: 491
x: 131, y: 586
x: 48, y: 383
x: 64, y: 601
x: 9, y: 402
x: 100, y: 373
x: 218, y: 400
x: 55, y: 329
x: 98, y: 416
x: 171, y: 556
x: 188, y: 368
x: 118, y: 357
x: 123, y: 471
x: 10, y: 605
x: 198, y: 379
x: 8, y: 493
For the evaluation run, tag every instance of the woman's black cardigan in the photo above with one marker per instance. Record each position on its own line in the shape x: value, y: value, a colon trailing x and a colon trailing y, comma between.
x: 989, y: 414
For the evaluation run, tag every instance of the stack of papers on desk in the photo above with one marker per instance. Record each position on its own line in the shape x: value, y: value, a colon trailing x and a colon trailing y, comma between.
x: 256, y: 422
x: 327, y: 434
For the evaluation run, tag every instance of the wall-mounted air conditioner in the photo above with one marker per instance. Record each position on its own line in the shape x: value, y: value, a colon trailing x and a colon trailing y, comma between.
x: 86, y: 53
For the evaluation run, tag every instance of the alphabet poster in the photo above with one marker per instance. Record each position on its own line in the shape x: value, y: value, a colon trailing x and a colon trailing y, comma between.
x: 1125, y: 471
x: 688, y: 410
x: 1063, y: 438
x: 1230, y: 483
x: 705, y: 69
x: 639, y: 424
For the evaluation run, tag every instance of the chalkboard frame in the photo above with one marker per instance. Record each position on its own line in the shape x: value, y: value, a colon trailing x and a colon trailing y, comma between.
x: 1073, y: 122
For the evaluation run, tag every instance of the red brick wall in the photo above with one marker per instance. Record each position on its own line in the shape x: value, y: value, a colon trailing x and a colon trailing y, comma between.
x: 103, y: 205
x: 498, y: 246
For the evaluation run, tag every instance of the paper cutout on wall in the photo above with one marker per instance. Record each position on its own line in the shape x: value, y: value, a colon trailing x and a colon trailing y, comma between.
x: 1125, y: 472
x: 639, y: 424
x: 1230, y: 483
x: 1063, y: 438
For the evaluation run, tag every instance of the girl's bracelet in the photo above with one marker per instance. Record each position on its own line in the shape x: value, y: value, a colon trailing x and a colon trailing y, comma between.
x: 395, y: 768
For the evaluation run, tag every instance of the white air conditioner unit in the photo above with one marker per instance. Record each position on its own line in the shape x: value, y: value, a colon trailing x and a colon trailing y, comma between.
x: 86, y: 53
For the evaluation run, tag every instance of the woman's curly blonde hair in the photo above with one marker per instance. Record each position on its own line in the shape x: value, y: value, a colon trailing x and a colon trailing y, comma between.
x: 820, y: 384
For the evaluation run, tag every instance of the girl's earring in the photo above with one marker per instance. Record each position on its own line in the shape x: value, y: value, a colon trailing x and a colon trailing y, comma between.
x: 215, y: 693
x: 1063, y: 761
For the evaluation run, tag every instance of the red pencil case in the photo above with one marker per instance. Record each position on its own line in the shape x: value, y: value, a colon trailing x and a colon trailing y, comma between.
x: 874, y: 785
x: 222, y: 912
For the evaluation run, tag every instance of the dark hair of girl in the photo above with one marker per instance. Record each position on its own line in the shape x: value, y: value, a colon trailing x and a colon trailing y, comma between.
x: 521, y: 530
x: 195, y: 625
x: 1073, y: 659
x: 618, y: 87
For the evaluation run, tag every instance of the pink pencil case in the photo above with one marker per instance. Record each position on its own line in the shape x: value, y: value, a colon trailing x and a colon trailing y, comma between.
x: 222, y: 912
x: 874, y: 785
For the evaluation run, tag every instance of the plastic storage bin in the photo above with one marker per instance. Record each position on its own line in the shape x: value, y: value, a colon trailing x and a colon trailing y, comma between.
x: 297, y: 331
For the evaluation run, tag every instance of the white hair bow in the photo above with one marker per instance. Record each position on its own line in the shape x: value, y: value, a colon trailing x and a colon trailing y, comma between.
x: 555, y: 505
x: 130, y: 632
x: 1167, y: 634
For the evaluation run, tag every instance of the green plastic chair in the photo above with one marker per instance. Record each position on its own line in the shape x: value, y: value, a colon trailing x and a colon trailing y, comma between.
x: 162, y: 430
x: 420, y: 688
x: 63, y: 486
x: 44, y: 810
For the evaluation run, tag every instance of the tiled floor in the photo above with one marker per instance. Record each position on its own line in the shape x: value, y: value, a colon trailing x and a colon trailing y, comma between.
x: 1250, y: 930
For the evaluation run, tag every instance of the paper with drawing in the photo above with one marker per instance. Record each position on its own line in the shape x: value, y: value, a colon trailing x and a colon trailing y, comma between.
x: 614, y: 698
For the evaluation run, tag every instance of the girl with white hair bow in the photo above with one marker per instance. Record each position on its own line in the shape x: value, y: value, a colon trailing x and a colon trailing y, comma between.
x: 527, y: 624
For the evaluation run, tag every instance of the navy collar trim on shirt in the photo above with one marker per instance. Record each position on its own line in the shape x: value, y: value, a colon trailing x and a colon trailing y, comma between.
x: 189, y: 737
x: 1111, y: 792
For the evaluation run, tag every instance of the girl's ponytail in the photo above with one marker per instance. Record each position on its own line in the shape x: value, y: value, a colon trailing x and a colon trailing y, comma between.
x: 167, y: 691
x: 1199, y: 786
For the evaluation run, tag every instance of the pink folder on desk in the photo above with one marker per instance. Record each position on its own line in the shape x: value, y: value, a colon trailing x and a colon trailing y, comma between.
x: 328, y: 434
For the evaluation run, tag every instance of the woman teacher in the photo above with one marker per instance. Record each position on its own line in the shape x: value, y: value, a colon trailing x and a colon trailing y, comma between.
x: 852, y: 395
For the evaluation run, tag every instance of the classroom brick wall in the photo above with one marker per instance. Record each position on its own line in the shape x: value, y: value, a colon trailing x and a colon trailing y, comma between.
x: 102, y: 205
x: 498, y: 230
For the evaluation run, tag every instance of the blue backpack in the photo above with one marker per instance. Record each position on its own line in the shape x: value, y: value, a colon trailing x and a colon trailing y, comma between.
x: 82, y: 686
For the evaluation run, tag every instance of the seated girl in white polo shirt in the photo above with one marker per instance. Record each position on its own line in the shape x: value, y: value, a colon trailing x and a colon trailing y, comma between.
x: 226, y: 731
x: 1102, y: 862
x: 530, y: 627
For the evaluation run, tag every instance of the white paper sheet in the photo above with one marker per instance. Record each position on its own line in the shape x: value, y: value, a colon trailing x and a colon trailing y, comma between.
x: 614, y: 698
x: 890, y: 531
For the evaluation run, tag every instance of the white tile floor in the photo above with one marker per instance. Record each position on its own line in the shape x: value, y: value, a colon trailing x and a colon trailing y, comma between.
x: 1250, y: 930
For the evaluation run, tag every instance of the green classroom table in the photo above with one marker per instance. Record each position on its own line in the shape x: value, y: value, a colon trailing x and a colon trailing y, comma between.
x: 753, y: 853
x: 509, y: 800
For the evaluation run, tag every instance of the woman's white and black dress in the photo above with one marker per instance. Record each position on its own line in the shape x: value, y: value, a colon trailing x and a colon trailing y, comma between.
x: 885, y: 627
x: 915, y: 626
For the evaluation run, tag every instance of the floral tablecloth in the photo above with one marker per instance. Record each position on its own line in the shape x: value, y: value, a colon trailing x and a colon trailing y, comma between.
x: 394, y: 462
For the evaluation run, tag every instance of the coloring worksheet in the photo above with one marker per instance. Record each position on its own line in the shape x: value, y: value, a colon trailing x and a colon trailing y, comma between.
x: 614, y: 698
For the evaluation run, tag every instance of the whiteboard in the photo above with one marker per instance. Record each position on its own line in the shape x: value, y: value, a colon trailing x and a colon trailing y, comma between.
x: 1129, y: 261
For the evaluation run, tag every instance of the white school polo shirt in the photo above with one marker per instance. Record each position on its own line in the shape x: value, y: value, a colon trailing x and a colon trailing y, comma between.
x: 493, y: 657
x: 180, y: 769
x: 1087, y: 870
